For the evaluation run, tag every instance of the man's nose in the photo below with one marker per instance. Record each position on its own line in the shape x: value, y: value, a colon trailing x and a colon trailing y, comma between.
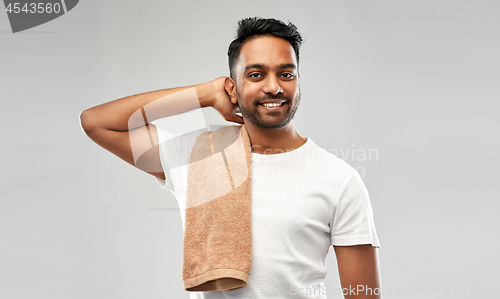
x: 272, y: 85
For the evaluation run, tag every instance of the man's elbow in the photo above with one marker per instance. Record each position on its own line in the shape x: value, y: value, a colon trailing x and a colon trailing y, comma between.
x: 87, y: 122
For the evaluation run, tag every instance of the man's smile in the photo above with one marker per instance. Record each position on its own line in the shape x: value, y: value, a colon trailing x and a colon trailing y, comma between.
x: 273, y: 106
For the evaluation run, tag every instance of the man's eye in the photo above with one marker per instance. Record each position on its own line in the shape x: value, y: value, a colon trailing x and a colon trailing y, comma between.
x: 288, y: 75
x: 254, y: 75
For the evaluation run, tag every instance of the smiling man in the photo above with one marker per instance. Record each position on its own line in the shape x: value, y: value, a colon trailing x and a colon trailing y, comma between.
x: 265, y: 85
x: 303, y: 199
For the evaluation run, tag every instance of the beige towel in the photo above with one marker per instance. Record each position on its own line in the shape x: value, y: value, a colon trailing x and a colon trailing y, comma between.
x: 218, y: 230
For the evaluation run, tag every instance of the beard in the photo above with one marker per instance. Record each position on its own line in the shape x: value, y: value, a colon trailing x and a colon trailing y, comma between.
x: 269, y: 120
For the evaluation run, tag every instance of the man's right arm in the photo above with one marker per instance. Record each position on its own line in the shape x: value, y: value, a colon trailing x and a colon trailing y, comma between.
x: 123, y: 126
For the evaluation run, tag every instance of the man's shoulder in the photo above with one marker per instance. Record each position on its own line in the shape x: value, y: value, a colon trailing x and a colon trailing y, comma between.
x: 322, y: 153
x: 327, y: 158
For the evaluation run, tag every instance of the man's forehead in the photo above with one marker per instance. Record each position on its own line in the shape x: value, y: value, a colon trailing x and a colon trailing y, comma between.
x: 266, y: 52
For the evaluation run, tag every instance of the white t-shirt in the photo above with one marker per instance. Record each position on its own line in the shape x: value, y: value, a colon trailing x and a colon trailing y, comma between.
x: 303, y: 202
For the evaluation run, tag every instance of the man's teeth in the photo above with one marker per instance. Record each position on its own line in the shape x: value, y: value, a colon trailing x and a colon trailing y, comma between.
x: 271, y: 104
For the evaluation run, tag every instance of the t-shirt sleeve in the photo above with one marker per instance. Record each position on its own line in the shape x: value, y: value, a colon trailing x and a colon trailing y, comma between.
x: 164, y: 135
x: 174, y: 151
x: 352, y: 216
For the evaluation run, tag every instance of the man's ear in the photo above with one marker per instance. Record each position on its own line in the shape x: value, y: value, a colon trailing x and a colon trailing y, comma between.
x: 230, y: 87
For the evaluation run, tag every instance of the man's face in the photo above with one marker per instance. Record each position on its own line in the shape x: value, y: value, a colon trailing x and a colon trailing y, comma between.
x: 266, y: 72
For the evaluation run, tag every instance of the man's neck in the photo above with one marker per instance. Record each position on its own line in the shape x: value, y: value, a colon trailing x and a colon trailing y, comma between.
x: 268, y: 142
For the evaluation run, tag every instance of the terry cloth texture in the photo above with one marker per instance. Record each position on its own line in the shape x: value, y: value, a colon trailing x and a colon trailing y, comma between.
x: 217, y: 245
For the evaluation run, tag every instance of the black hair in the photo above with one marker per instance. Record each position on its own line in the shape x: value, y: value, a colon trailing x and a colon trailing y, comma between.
x: 252, y: 27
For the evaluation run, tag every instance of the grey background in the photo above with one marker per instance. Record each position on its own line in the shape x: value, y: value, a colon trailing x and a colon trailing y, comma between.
x: 417, y: 81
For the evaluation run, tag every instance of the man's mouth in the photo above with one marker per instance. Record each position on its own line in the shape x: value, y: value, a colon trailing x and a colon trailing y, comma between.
x: 273, y: 104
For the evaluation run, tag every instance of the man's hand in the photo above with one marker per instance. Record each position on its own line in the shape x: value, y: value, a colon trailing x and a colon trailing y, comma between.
x: 213, y: 93
x: 359, y: 271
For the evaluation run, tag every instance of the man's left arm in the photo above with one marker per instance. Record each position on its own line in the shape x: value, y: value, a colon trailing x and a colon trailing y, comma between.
x: 359, y: 271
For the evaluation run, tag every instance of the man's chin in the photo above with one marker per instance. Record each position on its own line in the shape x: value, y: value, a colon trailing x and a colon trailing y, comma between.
x: 270, y: 126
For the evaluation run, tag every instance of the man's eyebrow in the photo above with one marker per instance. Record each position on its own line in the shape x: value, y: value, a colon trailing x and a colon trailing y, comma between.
x: 263, y: 67
x: 254, y: 66
x: 287, y: 66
